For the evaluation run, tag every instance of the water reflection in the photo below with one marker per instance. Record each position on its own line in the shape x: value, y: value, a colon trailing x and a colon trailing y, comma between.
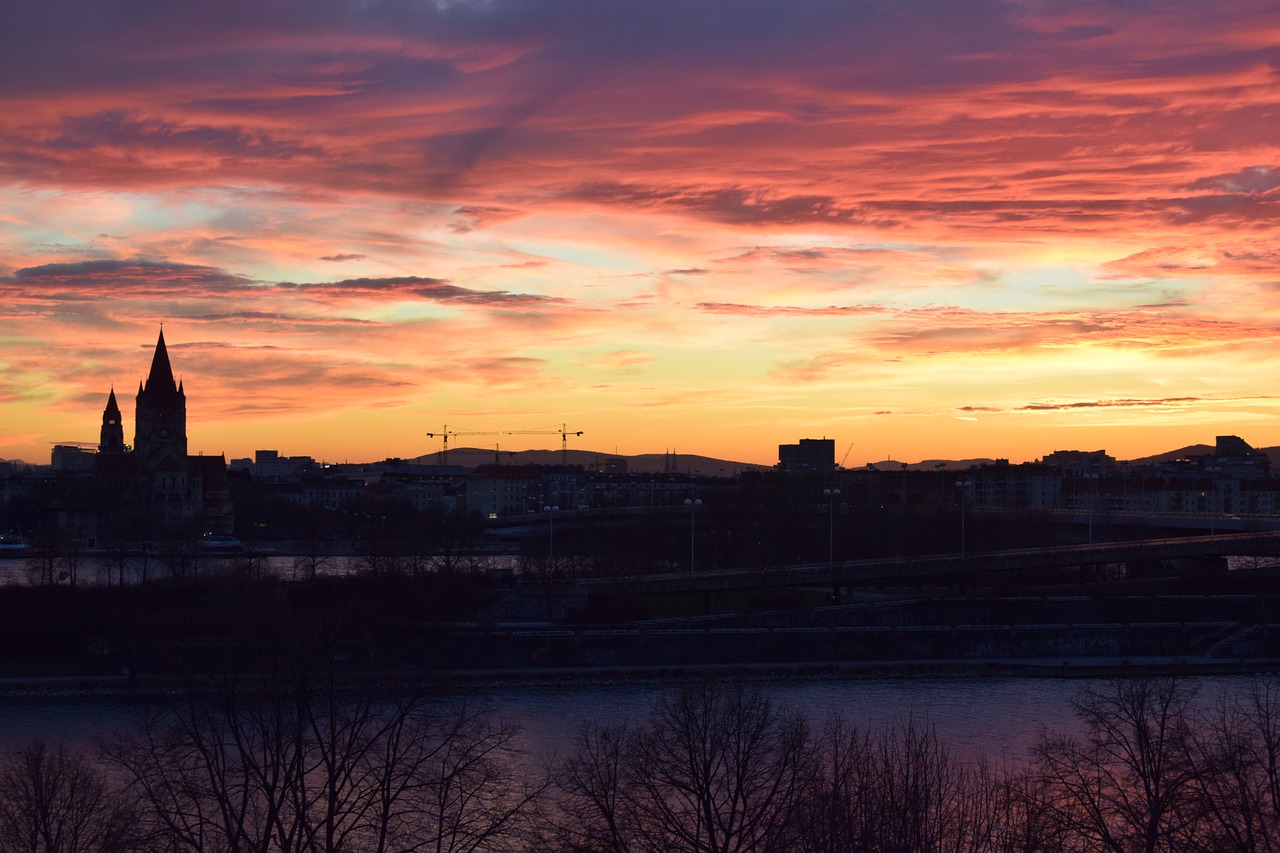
x: 997, y: 717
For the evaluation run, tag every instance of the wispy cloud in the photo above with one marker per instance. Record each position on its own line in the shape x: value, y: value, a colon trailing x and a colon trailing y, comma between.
x: 681, y: 208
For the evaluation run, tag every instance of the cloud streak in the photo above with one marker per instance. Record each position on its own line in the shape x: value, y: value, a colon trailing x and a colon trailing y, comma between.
x: 708, y: 214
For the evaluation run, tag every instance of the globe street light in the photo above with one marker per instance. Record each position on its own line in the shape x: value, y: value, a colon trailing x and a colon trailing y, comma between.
x: 692, y: 504
x: 831, y: 495
x: 551, y: 524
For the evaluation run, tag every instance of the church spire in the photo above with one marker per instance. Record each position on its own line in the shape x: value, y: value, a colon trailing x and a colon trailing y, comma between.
x: 160, y: 384
x: 111, y: 437
x: 160, y: 428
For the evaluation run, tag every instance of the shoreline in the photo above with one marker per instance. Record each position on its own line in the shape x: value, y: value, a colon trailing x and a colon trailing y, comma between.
x: 72, y: 687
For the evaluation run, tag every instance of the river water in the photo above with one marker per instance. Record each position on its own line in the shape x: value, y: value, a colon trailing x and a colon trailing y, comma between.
x: 998, y: 717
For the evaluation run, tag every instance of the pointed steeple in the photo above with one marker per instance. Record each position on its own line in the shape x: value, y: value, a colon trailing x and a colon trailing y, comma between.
x: 160, y: 428
x: 111, y: 437
x: 160, y: 382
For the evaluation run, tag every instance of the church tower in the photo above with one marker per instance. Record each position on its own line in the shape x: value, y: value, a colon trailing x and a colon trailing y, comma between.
x: 111, y: 438
x: 160, y: 428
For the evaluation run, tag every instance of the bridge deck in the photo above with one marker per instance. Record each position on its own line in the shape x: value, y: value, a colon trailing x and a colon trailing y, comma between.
x: 856, y: 572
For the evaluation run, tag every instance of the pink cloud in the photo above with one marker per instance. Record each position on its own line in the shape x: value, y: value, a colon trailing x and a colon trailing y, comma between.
x: 561, y: 186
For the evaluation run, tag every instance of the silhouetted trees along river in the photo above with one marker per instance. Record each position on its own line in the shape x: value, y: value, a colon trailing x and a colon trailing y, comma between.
x: 301, y: 761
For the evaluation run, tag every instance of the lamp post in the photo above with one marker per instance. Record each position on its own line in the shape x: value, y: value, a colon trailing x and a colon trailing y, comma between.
x: 692, y: 504
x: 1213, y: 499
x: 963, y: 486
x: 551, y: 527
x: 1092, y: 503
x: 831, y: 495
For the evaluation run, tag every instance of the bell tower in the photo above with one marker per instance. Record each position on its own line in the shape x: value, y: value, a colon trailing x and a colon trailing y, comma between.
x: 111, y: 438
x: 160, y: 428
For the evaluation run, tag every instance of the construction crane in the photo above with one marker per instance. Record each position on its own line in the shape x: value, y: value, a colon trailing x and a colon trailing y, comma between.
x: 443, y: 456
x: 562, y: 432
x: 497, y: 454
x: 845, y: 457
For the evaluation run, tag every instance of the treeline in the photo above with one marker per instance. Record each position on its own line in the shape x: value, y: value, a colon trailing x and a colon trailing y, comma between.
x: 316, y: 763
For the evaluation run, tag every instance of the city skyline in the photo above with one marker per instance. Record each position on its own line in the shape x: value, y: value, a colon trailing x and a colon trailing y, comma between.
x: 935, y: 230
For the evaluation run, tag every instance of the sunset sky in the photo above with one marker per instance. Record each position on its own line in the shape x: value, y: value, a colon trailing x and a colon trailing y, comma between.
x: 924, y: 229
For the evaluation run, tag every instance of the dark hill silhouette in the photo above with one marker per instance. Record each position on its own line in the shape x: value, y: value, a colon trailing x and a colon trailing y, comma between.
x: 1193, y: 450
x: 658, y: 463
x: 708, y: 466
x: 645, y: 463
x: 1187, y: 452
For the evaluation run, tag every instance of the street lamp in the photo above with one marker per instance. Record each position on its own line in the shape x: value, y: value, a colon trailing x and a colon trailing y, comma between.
x: 1092, y: 503
x: 831, y: 495
x: 1213, y: 499
x: 692, y: 504
x: 551, y: 526
x: 963, y: 486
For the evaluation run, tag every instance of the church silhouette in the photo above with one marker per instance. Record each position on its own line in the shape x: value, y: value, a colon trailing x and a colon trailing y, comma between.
x: 154, y: 488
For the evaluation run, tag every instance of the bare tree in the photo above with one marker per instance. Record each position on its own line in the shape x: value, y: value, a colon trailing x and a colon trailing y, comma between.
x: 475, y: 798
x: 901, y: 790
x: 1022, y: 820
x: 116, y: 559
x: 313, y: 560
x: 1235, y: 745
x: 1128, y: 786
x: 592, y: 799
x: 712, y: 770
x: 52, y: 801
x: 312, y: 760
x: 839, y: 809
x: 921, y: 792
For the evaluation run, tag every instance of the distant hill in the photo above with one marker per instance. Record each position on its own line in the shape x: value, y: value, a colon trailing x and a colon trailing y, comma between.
x: 1181, y: 453
x: 930, y: 464
x: 645, y: 463
x: 657, y: 463
x: 1273, y: 453
x: 708, y: 466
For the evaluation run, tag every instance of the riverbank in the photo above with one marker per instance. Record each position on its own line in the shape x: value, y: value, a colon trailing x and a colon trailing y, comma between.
x: 156, y: 687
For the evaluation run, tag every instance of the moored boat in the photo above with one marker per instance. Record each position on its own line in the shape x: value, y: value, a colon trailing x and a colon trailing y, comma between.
x: 217, y: 543
x: 13, y: 545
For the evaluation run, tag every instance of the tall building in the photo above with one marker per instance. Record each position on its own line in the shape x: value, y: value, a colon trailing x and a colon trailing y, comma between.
x: 811, y: 454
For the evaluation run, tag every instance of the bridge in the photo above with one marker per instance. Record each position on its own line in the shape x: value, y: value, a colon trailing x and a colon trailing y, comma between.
x: 907, y: 571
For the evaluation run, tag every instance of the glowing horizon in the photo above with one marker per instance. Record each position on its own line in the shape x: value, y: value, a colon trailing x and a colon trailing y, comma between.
x: 937, y: 230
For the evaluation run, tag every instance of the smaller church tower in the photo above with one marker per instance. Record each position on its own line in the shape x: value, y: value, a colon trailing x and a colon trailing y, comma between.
x: 111, y: 438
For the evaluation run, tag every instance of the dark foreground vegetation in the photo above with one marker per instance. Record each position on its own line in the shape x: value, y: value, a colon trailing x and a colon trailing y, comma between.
x: 301, y: 762
x: 144, y: 634
x: 173, y: 628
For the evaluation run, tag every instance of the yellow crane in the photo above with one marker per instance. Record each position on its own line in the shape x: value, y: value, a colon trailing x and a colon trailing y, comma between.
x: 563, y: 432
x: 443, y: 456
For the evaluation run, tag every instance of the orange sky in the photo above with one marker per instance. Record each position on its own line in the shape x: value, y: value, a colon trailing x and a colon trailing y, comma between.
x: 924, y: 229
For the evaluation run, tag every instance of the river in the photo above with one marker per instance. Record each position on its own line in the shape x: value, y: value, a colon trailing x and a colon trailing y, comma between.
x: 1000, y: 717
